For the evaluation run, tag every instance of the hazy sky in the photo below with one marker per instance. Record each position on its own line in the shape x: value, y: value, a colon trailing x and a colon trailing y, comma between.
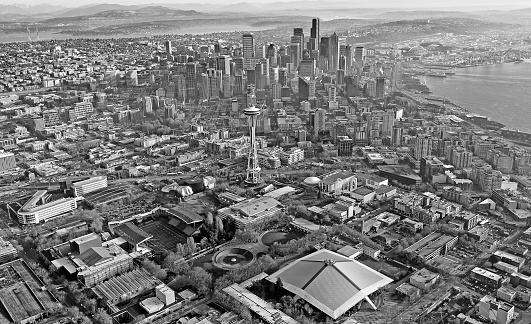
x: 362, y: 3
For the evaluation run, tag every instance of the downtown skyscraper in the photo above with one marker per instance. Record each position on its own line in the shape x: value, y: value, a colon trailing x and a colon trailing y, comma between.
x: 333, y: 55
x: 313, y: 42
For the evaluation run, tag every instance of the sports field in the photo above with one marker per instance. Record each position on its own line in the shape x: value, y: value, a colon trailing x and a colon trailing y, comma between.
x: 165, y: 237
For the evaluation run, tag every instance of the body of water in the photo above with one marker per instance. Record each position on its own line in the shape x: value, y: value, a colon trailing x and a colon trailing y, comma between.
x: 44, y: 36
x: 500, y: 91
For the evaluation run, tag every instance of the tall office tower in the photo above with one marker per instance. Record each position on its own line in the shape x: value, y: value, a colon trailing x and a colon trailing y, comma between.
x: 248, y: 45
x: 223, y: 64
x: 300, y: 33
x: 370, y: 88
x: 271, y: 55
x: 307, y: 68
x: 251, y: 76
x: 147, y: 104
x: 238, y: 64
x: 359, y: 55
x: 283, y: 77
x: 295, y: 51
x: 360, y: 132
x: 227, y: 86
x: 324, y: 46
x: 388, y: 123
x: 180, y: 86
x: 334, y: 53
x: 351, y: 86
x: 311, y: 89
x: 340, y: 77
x: 304, y: 89
x: 259, y: 75
x: 348, y: 60
x: 342, y: 63
x: 167, y: 46
x: 251, y: 95
x: 314, y: 35
x: 211, y: 84
x: 239, y: 84
x: 131, y: 78
x: 318, y: 120
x: 380, y: 88
x: 253, y: 169
x: 423, y: 146
x: 260, y: 51
x: 273, y: 75
x: 332, y: 94
x: 191, y: 80
x: 396, y: 138
x: 276, y: 88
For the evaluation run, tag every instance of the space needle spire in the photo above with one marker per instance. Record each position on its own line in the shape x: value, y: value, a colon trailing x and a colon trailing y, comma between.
x: 253, y: 168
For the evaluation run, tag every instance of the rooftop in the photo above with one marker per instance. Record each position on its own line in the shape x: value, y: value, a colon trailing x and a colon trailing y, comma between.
x: 333, y: 177
x: 329, y: 281
x: 424, y: 275
x: 132, y: 233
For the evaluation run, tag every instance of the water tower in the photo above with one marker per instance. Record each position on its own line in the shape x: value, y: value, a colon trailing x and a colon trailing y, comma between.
x: 253, y: 169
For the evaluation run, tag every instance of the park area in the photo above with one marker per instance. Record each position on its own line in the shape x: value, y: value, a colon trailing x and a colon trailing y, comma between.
x: 273, y: 237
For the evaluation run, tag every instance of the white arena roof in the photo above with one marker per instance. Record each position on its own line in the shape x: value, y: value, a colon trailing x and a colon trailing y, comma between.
x: 330, y: 282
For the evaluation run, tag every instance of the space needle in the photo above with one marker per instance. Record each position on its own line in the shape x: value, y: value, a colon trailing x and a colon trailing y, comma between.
x: 253, y: 169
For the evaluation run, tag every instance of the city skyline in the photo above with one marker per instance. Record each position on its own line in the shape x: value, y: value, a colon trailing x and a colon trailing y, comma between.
x: 267, y: 162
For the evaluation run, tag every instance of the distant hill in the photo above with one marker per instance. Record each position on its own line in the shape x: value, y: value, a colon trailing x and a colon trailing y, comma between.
x: 28, y: 10
x: 93, y: 9
x: 150, y: 12
x: 423, y: 14
x: 240, y: 7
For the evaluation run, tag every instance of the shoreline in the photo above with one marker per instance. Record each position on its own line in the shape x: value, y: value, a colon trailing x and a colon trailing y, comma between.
x: 460, y: 109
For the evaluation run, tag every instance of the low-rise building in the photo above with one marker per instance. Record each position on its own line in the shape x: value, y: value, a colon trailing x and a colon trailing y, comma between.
x: 484, y: 276
x: 337, y: 182
x: 423, y: 279
x: 251, y: 211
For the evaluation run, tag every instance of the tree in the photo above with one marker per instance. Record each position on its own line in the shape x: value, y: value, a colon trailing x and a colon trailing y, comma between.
x: 219, y: 225
x: 202, y: 280
x: 181, y: 249
x: 191, y: 244
x: 101, y: 317
x: 175, y: 263
x: 154, y: 269
x: 91, y: 304
x: 97, y: 225
x: 209, y: 219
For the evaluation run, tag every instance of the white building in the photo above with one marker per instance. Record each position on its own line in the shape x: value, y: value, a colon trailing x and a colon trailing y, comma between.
x: 165, y: 294
x: 496, y: 311
x: 38, y: 209
x: 83, y: 187
x: 338, y: 181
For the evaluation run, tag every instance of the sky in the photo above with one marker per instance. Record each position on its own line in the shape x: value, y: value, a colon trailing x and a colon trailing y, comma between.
x: 487, y: 4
